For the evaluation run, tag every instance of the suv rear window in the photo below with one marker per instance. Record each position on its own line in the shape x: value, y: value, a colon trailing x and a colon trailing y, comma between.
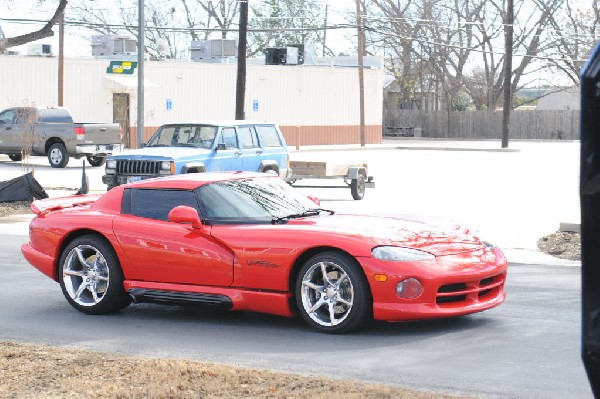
x: 269, y: 136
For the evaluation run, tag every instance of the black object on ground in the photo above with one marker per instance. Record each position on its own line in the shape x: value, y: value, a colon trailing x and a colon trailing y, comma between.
x: 22, y: 188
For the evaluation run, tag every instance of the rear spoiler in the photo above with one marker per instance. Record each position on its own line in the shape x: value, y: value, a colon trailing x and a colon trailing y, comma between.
x: 44, y: 206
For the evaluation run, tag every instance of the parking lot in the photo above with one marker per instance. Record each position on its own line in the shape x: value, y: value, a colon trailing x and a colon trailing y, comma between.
x: 511, y: 197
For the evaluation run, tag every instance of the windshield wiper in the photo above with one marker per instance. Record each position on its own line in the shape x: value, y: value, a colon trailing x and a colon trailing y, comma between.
x: 306, y: 213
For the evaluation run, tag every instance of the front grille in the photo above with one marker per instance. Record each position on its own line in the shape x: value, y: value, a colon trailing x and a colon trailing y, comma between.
x: 470, y: 291
x: 138, y: 168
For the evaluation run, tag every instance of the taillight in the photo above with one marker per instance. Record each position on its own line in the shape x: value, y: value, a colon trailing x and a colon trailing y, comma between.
x: 79, y: 130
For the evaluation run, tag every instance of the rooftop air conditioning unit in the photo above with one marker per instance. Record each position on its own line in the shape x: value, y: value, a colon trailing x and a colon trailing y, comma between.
x: 290, y: 55
x: 109, y: 45
x: 215, y: 49
x: 39, y: 49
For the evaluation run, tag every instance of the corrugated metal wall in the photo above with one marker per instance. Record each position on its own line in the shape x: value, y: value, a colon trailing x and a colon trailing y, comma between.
x: 322, y: 100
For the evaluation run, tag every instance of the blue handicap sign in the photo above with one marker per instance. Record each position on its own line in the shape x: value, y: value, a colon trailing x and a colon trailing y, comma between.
x: 169, y: 104
x: 255, y: 105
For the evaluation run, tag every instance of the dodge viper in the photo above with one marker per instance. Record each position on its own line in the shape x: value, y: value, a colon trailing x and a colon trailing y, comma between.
x: 249, y: 241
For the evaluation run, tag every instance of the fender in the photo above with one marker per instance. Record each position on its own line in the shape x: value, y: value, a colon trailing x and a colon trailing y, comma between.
x: 193, y: 167
x: 354, y: 171
x: 269, y: 164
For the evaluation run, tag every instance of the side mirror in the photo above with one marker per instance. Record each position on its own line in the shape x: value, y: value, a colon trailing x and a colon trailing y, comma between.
x: 185, y: 214
x: 221, y: 146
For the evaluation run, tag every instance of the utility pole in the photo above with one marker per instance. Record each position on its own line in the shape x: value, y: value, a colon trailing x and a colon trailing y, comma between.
x: 325, y: 30
x: 508, y: 50
x: 361, y: 77
x: 140, y: 80
x: 61, y: 59
x: 240, y: 88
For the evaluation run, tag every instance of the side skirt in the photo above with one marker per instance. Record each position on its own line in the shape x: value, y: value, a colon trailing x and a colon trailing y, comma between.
x: 180, y: 298
x: 272, y: 302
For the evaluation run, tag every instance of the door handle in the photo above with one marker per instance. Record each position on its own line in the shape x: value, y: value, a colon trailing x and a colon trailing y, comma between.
x: 259, y: 152
x: 237, y: 153
x: 8, y: 127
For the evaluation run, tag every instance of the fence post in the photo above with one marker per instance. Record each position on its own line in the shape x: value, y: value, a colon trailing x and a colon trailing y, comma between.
x: 297, y: 137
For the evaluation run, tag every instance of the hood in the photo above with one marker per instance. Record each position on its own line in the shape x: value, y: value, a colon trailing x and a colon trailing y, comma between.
x: 437, y: 236
x: 161, y: 153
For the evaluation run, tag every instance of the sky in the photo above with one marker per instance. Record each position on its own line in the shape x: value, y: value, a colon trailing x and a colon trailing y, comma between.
x: 77, y: 40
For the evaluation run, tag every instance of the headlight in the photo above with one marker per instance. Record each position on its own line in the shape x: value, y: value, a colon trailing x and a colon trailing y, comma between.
x: 111, y: 164
x: 165, y: 165
x: 399, y: 254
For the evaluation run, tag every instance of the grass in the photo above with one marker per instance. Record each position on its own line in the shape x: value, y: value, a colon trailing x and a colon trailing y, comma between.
x: 42, y: 372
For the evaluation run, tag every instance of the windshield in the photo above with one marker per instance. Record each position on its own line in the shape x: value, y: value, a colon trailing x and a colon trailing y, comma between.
x: 253, y: 201
x: 184, y: 136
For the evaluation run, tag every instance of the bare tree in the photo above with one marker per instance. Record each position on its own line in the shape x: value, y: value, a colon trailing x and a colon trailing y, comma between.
x: 574, y: 33
x: 279, y: 23
x: 174, y: 26
x: 46, y: 30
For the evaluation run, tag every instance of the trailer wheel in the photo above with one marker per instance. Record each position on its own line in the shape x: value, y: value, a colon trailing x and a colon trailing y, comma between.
x: 357, y: 187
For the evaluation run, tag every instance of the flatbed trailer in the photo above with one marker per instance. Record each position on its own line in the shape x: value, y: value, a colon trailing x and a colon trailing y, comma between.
x: 355, y: 176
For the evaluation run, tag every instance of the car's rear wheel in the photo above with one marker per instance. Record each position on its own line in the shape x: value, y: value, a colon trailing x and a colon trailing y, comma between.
x: 15, y: 157
x: 332, y: 293
x: 91, y: 277
x: 96, y: 160
x: 58, y: 155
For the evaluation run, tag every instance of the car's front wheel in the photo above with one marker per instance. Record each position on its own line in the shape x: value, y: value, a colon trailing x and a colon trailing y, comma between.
x: 332, y: 293
x: 91, y: 277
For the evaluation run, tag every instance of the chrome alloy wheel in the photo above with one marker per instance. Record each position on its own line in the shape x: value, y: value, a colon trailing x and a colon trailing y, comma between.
x: 56, y: 156
x: 327, y: 293
x: 85, y: 275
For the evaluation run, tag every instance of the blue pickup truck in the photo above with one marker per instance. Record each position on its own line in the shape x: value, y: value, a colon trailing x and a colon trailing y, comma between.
x: 202, y: 147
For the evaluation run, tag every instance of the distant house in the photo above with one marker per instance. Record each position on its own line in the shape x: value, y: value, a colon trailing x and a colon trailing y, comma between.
x: 567, y: 98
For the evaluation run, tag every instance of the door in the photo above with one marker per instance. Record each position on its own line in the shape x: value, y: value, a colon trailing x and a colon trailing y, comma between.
x: 163, y: 251
x: 227, y: 154
x: 9, y: 134
x: 252, y: 153
x: 121, y: 115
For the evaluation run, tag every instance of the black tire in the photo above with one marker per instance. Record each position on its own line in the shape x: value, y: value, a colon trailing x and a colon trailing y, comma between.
x: 58, y: 155
x: 357, y: 187
x: 341, y: 304
x: 96, y: 160
x: 15, y: 157
x: 90, y: 276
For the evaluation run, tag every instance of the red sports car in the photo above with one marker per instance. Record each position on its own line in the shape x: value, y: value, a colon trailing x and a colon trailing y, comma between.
x: 247, y: 241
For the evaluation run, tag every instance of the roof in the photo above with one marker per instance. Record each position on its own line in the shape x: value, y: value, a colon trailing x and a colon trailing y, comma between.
x: 191, y: 181
x: 224, y: 122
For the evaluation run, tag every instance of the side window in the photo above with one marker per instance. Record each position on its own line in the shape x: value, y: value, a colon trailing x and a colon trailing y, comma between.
x: 7, y: 116
x: 269, y: 136
x: 155, y: 203
x: 248, y: 137
x: 228, y: 137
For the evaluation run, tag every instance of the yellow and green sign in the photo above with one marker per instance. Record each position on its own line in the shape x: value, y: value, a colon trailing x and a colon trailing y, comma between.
x: 122, y: 67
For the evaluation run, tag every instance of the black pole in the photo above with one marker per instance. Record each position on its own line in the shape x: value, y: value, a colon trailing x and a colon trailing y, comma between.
x: 508, y: 49
x: 240, y: 89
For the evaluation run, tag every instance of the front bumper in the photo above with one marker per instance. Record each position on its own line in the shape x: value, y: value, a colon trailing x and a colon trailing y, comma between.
x: 452, y: 285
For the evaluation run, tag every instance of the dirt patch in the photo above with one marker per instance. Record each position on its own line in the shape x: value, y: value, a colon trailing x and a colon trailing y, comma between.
x: 44, y: 372
x: 562, y: 244
x: 15, y: 208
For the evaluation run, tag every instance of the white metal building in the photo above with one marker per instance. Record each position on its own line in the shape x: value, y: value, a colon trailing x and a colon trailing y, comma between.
x: 312, y: 104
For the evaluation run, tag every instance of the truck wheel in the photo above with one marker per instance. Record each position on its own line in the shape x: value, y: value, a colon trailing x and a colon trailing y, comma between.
x: 15, y: 157
x: 96, y: 160
x: 58, y: 155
